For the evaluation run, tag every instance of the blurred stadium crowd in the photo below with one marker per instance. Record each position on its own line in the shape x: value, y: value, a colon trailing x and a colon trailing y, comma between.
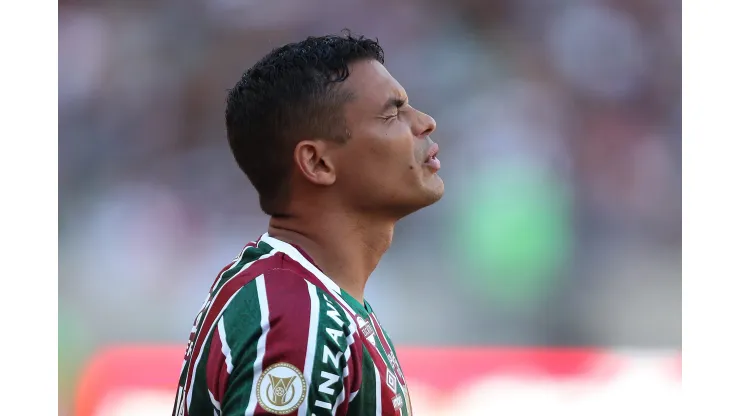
x: 560, y: 128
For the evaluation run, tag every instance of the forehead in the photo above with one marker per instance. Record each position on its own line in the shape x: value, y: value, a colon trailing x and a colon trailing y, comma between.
x: 372, y: 85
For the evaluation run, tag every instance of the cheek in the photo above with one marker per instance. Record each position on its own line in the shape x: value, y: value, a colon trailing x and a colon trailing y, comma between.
x: 389, y: 155
x: 400, y: 160
x: 400, y: 150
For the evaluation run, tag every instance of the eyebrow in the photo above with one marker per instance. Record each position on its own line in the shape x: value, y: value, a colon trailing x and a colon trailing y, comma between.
x: 394, y: 102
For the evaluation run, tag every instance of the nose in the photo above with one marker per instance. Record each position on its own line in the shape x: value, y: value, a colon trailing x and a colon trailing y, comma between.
x: 425, y: 125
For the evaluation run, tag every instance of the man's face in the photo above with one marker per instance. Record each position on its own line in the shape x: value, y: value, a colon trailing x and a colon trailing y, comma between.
x: 389, y: 163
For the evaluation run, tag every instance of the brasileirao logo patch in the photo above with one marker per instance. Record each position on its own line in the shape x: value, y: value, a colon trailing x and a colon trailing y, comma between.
x: 281, y: 388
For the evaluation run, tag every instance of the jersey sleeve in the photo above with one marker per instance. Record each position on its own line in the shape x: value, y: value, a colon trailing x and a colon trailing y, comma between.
x: 283, y: 346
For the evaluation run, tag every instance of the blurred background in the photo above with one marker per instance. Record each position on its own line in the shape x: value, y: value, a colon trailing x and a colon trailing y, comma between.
x: 560, y: 128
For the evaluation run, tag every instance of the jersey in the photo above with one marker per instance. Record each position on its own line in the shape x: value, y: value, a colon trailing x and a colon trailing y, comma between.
x: 277, y: 336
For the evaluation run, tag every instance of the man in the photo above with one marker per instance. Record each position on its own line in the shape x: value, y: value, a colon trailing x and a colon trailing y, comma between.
x: 338, y: 155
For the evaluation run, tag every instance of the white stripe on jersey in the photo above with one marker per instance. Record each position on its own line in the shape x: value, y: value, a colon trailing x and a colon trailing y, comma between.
x: 313, y: 328
x: 345, y: 374
x: 261, y: 342
x: 216, y: 404
x: 225, y: 350
x: 378, y: 392
x: 353, y: 395
x: 297, y: 256
x: 189, y: 381
x: 200, y: 353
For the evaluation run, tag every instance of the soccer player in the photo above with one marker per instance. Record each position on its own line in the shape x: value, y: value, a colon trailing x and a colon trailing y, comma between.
x: 338, y: 155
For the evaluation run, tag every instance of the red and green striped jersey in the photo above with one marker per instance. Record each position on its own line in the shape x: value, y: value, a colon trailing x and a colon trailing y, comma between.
x: 277, y: 336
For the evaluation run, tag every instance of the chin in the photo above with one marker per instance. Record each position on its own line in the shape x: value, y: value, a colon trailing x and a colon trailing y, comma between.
x: 429, y: 193
x: 435, y: 188
x: 434, y: 194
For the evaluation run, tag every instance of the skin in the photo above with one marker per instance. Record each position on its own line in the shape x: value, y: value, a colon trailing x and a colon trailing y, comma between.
x: 347, y: 197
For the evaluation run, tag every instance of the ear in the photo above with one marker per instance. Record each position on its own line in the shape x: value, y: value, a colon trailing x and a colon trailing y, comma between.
x: 311, y: 157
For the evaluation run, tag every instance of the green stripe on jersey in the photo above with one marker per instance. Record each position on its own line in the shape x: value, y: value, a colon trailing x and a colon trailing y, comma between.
x: 243, y: 329
x: 329, y: 362
x: 250, y: 254
x: 364, y: 403
x: 201, y: 403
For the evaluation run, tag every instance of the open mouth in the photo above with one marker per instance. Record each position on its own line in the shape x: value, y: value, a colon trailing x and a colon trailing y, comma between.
x: 431, y: 160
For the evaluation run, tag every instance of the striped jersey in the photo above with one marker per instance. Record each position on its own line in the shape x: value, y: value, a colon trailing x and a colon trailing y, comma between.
x: 277, y: 336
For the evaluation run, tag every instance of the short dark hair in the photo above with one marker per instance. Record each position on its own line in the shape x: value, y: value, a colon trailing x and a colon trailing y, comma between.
x: 289, y: 95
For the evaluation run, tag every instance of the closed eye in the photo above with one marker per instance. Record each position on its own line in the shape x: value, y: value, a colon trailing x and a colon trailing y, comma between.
x: 392, y: 107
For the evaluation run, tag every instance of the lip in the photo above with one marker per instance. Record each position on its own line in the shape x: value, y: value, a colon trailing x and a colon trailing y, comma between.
x: 433, y: 150
x: 431, y: 161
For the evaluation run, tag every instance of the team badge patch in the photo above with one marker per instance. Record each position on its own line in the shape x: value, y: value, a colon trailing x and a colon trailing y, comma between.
x: 281, y: 388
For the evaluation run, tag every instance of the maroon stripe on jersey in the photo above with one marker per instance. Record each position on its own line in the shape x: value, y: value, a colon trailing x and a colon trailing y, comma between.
x: 354, y: 379
x: 218, y: 303
x: 389, y: 353
x: 355, y: 371
x: 377, y: 358
x: 293, y: 265
x: 216, y: 373
x: 387, y: 347
x: 287, y: 341
x: 387, y: 399
x: 379, y: 331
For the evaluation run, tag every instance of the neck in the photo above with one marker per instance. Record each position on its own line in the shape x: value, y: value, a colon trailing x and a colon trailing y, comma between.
x: 346, y: 247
